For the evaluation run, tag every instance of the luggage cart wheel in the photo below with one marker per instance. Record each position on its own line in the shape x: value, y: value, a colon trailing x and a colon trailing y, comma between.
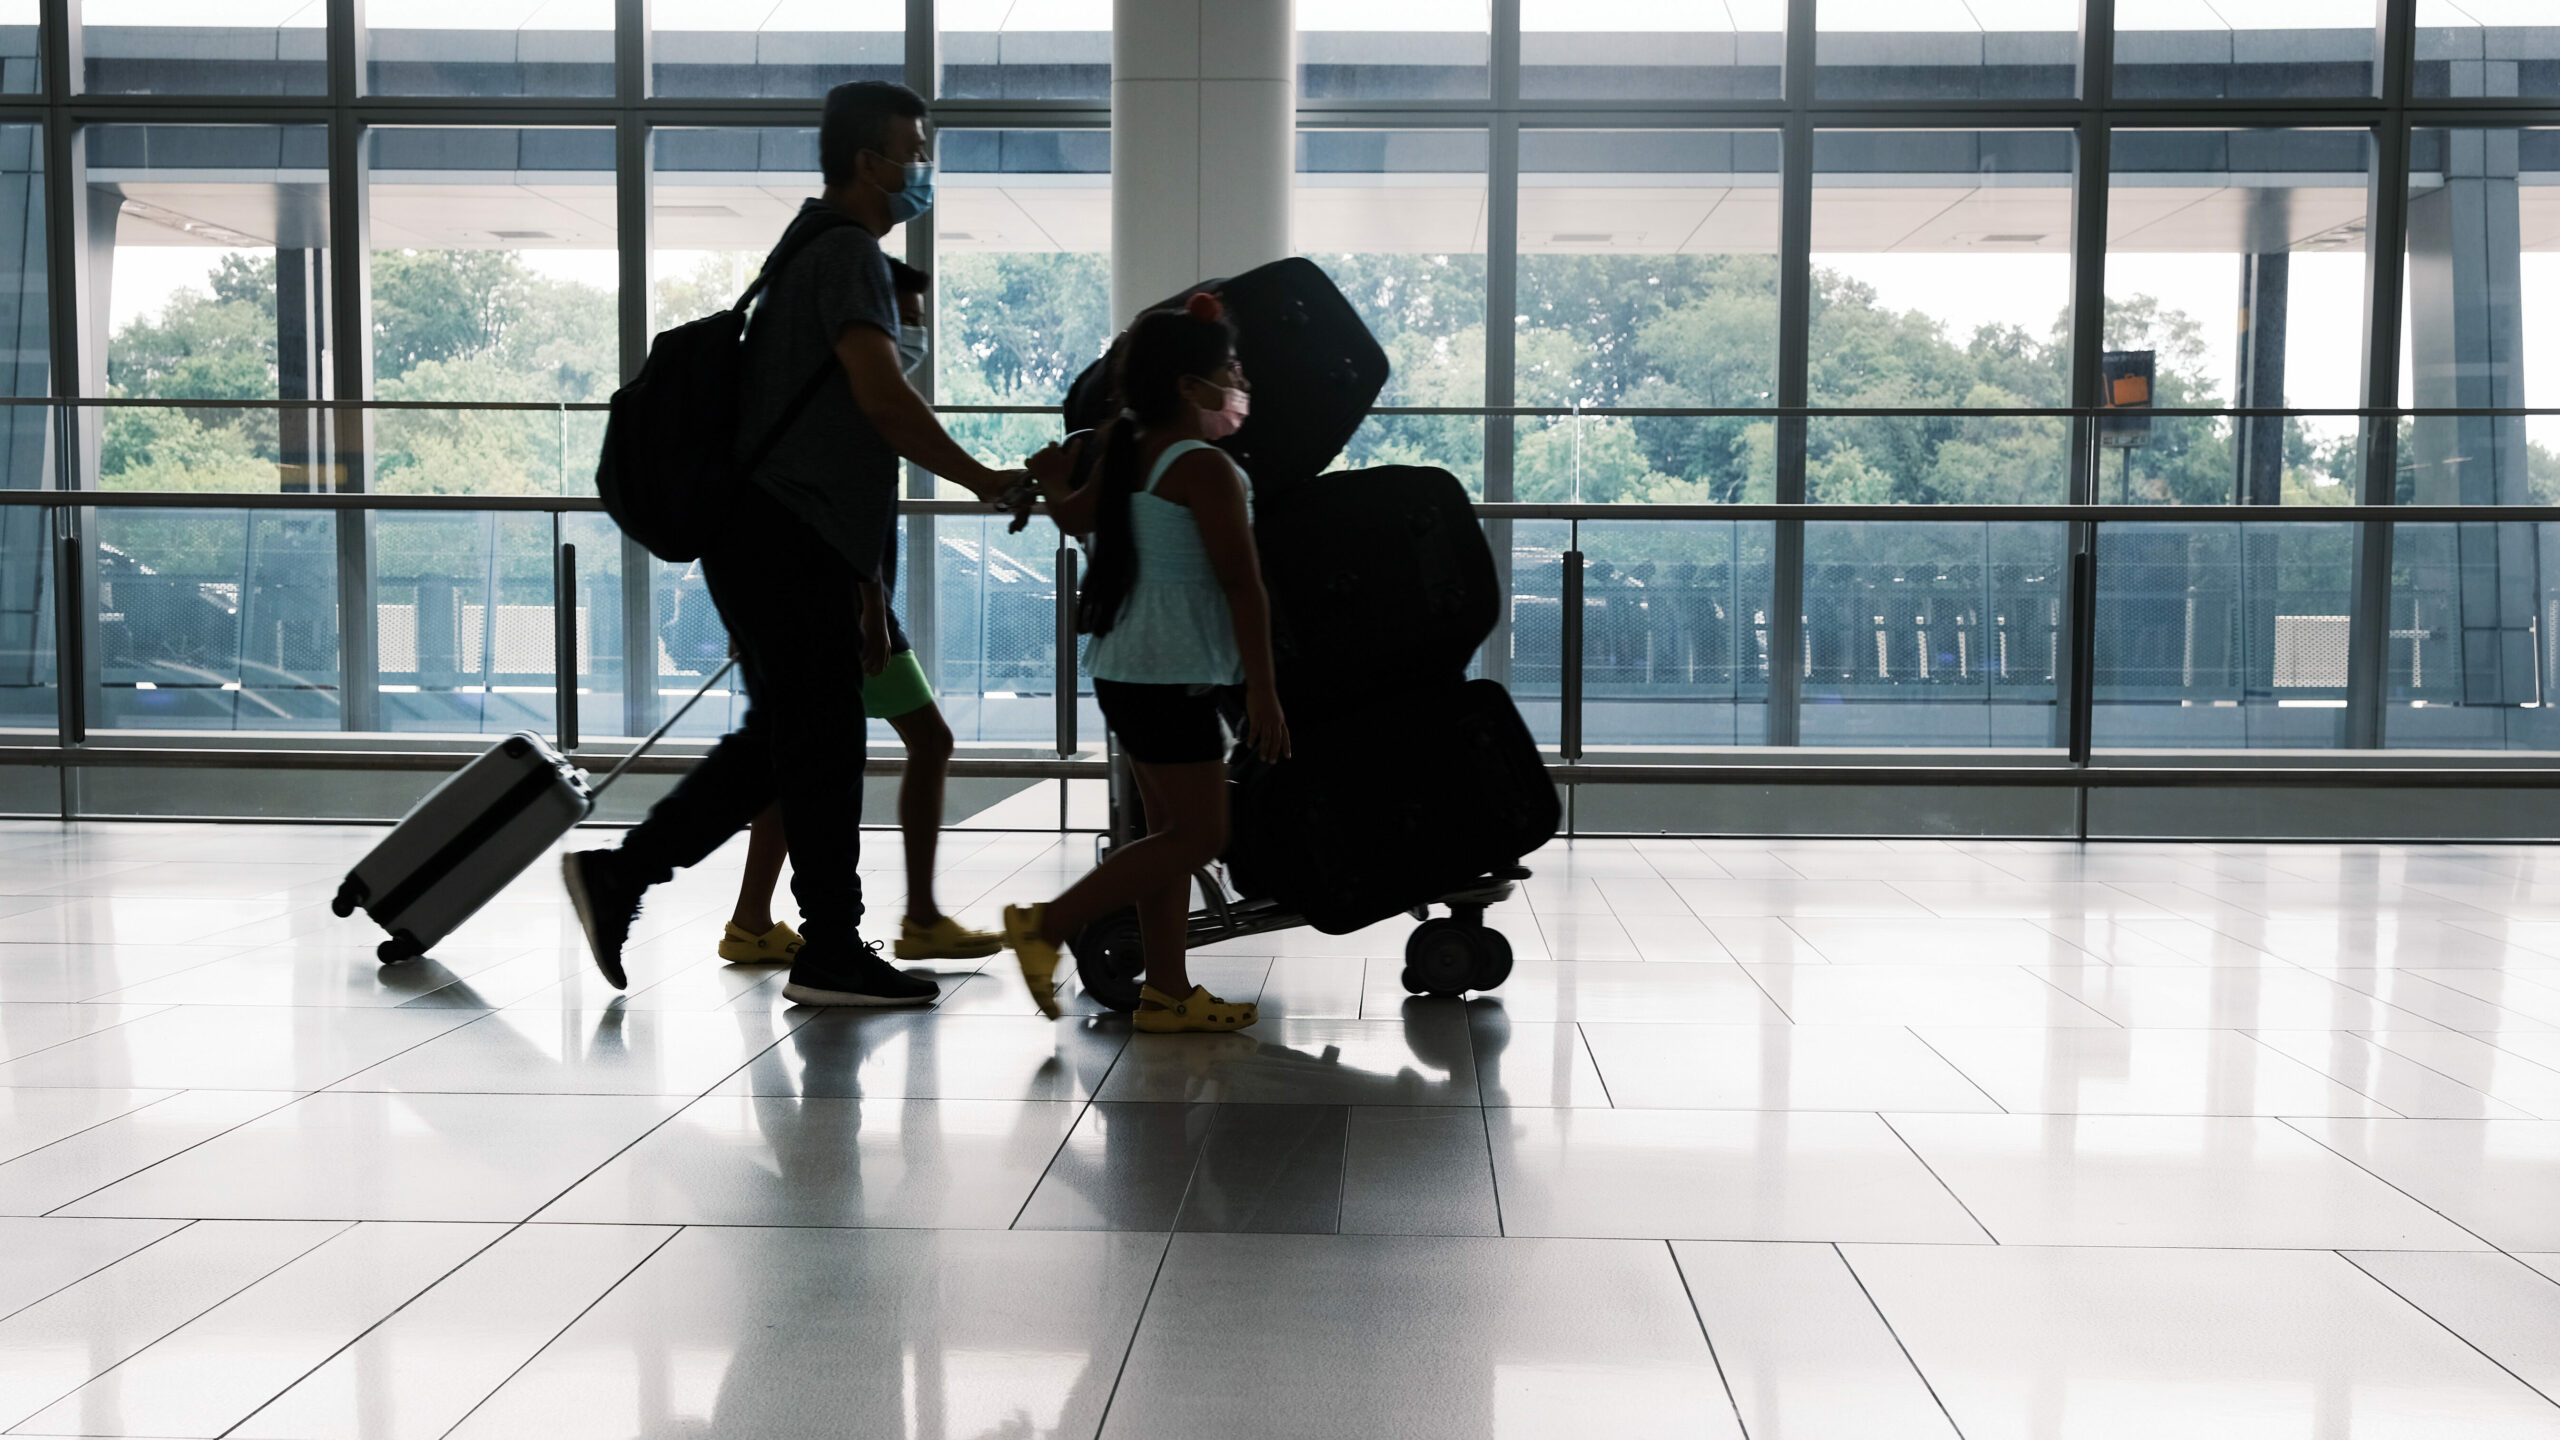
x: 1440, y: 958
x: 1110, y: 960
x: 1493, y: 959
x: 351, y: 893
x: 402, y: 946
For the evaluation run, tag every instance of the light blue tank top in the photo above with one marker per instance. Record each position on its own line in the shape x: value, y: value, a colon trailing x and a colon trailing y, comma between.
x: 1173, y: 628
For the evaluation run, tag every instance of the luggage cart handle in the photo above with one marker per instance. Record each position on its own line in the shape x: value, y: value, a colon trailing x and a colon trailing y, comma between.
x: 661, y: 732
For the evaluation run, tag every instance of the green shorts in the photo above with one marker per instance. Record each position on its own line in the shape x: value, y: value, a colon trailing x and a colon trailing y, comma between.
x: 897, y: 690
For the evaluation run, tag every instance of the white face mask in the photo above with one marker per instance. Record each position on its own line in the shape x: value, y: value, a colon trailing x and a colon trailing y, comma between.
x: 914, y: 345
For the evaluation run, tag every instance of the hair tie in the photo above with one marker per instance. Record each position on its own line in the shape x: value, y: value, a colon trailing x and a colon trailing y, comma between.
x: 1205, y: 306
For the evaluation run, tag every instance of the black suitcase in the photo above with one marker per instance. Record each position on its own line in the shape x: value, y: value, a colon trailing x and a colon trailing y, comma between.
x: 1380, y: 581
x: 1443, y: 787
x: 1314, y: 367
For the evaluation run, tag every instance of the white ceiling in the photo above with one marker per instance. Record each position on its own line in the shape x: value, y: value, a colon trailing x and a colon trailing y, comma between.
x: 1424, y: 214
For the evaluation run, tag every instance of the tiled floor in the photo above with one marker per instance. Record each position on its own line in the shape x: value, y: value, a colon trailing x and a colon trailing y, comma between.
x: 1786, y: 1140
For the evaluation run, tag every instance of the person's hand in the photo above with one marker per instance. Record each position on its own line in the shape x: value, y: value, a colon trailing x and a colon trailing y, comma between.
x: 1050, y: 465
x: 1019, y: 500
x: 1265, y: 728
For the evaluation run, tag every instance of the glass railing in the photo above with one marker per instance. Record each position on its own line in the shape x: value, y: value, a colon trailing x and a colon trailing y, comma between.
x: 370, y: 568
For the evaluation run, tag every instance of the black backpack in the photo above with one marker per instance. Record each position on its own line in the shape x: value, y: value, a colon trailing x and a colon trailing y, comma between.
x: 669, y: 469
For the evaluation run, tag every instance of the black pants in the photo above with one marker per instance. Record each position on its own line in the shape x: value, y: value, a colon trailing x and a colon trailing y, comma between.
x: 793, y: 609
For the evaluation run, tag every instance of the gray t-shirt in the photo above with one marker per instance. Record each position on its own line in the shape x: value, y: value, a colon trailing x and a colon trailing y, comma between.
x: 831, y: 468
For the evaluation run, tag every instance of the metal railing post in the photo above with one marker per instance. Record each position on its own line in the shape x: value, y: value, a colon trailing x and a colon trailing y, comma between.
x: 1569, y: 673
x: 564, y: 643
x: 2084, y: 672
x: 70, y: 664
x: 1066, y: 588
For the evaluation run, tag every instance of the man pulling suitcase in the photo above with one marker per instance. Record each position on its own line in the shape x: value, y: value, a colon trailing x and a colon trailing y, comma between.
x: 804, y: 533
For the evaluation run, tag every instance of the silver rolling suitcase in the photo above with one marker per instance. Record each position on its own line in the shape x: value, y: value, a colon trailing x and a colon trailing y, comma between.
x: 475, y: 833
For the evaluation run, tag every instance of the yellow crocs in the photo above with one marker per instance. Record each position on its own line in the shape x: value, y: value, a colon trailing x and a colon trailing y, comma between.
x: 1198, y: 1011
x: 945, y: 939
x: 1039, y: 957
x: 739, y: 946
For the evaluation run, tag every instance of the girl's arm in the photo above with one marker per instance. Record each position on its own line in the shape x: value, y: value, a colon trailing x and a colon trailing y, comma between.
x: 1208, y: 484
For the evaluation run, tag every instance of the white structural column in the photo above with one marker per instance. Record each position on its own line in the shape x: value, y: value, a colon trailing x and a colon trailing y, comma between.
x: 1203, y: 125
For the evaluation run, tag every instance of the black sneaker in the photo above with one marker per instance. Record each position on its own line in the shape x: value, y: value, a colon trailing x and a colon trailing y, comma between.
x: 832, y: 975
x: 607, y: 904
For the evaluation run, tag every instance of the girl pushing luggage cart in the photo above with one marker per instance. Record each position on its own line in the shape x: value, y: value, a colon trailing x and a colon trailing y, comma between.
x: 1176, y: 607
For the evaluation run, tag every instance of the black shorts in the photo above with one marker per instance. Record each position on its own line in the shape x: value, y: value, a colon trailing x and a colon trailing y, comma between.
x: 1163, y: 724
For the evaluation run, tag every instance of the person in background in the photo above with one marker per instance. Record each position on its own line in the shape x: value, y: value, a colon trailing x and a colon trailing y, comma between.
x: 810, y: 525
x: 893, y: 689
x: 1177, y: 612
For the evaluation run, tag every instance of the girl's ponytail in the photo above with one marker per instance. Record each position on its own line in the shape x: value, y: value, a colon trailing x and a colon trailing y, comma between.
x: 1114, y: 569
x: 1148, y: 367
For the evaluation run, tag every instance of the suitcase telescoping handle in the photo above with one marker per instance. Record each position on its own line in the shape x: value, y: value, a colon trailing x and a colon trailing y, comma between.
x: 661, y: 732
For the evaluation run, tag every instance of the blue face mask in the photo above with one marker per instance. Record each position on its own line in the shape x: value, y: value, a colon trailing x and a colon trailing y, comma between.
x: 917, y: 197
x: 914, y: 344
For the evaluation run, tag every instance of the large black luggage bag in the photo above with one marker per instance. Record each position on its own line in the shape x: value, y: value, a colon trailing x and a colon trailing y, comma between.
x: 1314, y: 367
x: 1444, y: 787
x: 1380, y: 581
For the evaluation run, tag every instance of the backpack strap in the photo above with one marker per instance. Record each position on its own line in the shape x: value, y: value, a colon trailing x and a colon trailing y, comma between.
x: 795, y: 238
x: 805, y: 227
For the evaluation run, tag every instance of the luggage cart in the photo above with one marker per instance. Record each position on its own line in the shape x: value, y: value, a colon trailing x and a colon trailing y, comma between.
x: 1446, y: 955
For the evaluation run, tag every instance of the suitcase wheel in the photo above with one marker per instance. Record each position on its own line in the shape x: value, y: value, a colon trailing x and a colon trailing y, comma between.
x: 1439, y: 958
x: 352, y: 892
x: 1493, y: 959
x: 401, y: 946
x: 1110, y: 960
x: 1452, y: 957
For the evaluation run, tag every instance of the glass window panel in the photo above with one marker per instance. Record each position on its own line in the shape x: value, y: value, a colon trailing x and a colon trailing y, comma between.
x: 1648, y: 277
x: 1397, y: 217
x: 1946, y: 49
x: 28, y: 698
x: 712, y: 48
x: 204, y: 47
x: 2481, y: 323
x: 2488, y: 48
x: 1941, y: 276
x: 1534, y: 669
x: 1025, y: 49
x: 718, y: 201
x: 216, y: 620
x: 494, y: 277
x: 21, y: 52
x: 2245, y: 49
x: 209, y: 256
x: 1652, y: 49
x: 2222, y: 636
x: 1939, y: 635
x: 1021, y: 304
x: 2473, y: 617
x: 2475, y: 634
x: 489, y: 47
x: 26, y: 367
x: 1395, y: 49
x: 1675, y: 634
x: 2235, y: 260
x: 464, y: 625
